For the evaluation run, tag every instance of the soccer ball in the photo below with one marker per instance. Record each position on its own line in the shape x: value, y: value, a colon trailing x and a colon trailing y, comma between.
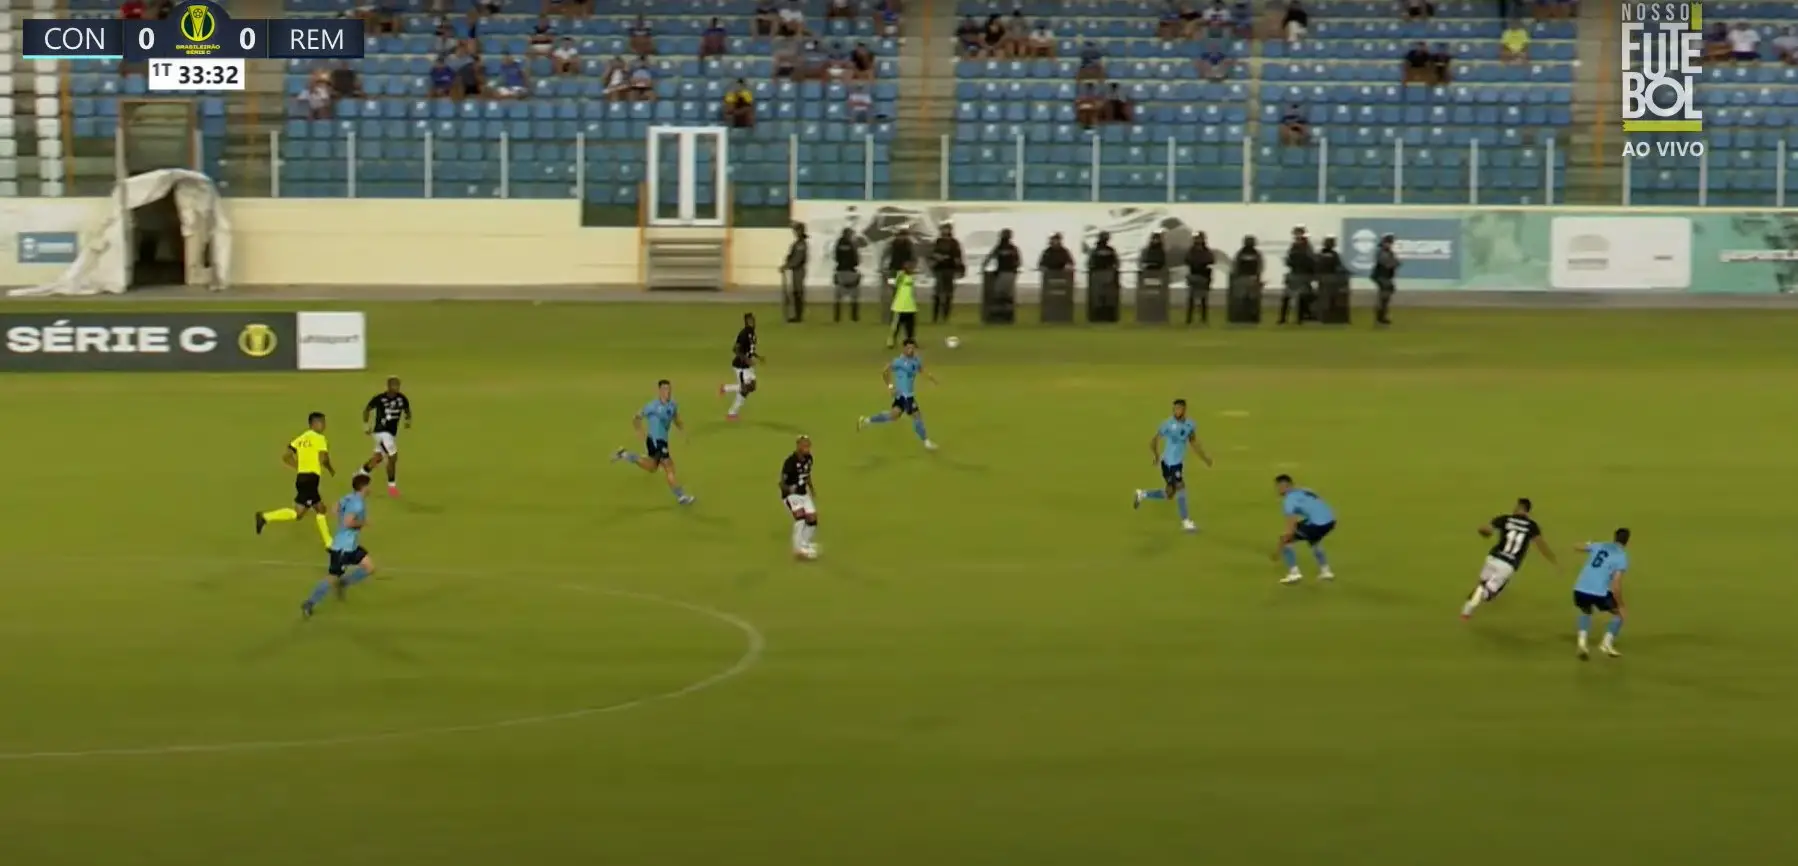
x: 952, y: 342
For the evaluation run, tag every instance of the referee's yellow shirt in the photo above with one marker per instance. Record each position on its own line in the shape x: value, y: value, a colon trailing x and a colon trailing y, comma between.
x: 905, y: 300
x: 306, y: 449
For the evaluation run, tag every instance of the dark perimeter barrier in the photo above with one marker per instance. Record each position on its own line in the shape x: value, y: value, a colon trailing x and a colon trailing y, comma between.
x: 998, y: 298
x: 1245, y: 301
x: 1104, y: 296
x: 1333, y: 299
x: 1151, y: 296
x: 1058, y: 297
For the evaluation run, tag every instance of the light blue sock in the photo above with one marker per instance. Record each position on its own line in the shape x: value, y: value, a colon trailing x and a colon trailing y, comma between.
x: 1317, y: 553
x: 629, y: 457
x: 319, y: 592
x: 679, y: 492
x: 917, y: 425
x: 355, y: 577
x: 1585, y: 622
x: 881, y: 418
x: 1291, y: 559
x: 1180, y: 500
x: 1615, y: 627
x: 1154, y: 494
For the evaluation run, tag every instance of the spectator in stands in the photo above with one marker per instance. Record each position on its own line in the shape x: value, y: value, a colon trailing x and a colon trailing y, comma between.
x: 566, y: 59
x: 1297, y: 21
x: 164, y: 9
x: 812, y: 61
x: 786, y: 58
x: 739, y: 106
x: 1217, y: 14
x: 886, y: 17
x: 514, y: 83
x: 767, y: 18
x: 345, y: 84
x: 971, y: 37
x: 1514, y: 43
x: 1716, y: 41
x: 792, y: 20
x: 1088, y: 106
x: 1785, y: 46
x: 1744, y: 43
x: 1117, y: 106
x: 443, y: 79
x: 1017, y: 34
x: 643, y: 38
x: 1294, y: 130
x: 486, y: 7
x: 543, y: 36
x: 992, y: 36
x: 446, y: 35
x: 467, y: 65
x: 1417, y: 64
x: 1442, y: 64
x: 1418, y: 10
x: 862, y: 64
x: 382, y: 16
x: 860, y: 106
x: 836, y: 63
x: 714, y: 41
x: 1214, y: 59
x: 133, y: 10
x: 840, y: 10
x: 1092, y: 63
x: 617, y: 78
x: 643, y: 81
x: 1556, y: 8
x: 317, y: 96
x: 571, y: 8
x: 1173, y: 20
x: 1042, y: 41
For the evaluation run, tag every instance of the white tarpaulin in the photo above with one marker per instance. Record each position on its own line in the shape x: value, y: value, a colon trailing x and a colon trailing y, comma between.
x: 104, y: 264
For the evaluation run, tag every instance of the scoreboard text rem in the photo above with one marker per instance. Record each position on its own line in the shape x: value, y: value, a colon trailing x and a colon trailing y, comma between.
x: 198, y: 48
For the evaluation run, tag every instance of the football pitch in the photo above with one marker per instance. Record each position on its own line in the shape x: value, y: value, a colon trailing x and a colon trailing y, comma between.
x: 995, y: 660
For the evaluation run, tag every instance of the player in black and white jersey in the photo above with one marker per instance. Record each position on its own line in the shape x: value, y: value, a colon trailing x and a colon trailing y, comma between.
x: 796, y: 490
x: 743, y: 359
x: 382, y: 418
x: 1515, y: 534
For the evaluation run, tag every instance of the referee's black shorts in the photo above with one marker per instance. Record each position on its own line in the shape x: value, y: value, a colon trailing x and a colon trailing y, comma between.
x: 305, y: 490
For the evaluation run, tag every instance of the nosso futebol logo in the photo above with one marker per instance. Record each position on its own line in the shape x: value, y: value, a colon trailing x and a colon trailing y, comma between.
x: 1662, y: 44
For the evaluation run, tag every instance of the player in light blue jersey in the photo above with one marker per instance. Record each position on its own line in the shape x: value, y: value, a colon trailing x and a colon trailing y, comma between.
x: 901, y: 376
x: 1169, y: 446
x: 1600, y: 586
x: 1308, y: 518
x: 657, y: 418
x: 349, y: 563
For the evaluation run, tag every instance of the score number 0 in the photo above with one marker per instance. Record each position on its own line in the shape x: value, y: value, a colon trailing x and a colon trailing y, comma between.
x: 246, y: 39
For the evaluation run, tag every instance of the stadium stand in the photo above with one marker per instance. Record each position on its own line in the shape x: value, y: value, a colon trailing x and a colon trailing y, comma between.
x: 1212, y: 140
x: 1749, y: 110
x: 1014, y: 130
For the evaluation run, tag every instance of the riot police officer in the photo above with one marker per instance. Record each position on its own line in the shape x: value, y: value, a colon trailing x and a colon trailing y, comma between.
x: 1332, y: 285
x: 1199, y: 261
x: 1301, y: 267
x: 1102, y: 290
x: 1055, y: 256
x: 1385, y: 269
x: 1245, y: 283
x: 946, y: 263
x: 793, y: 275
x: 848, y: 276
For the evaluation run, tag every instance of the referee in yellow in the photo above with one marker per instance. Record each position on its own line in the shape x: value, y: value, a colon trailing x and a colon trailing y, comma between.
x: 905, y: 305
x: 308, y: 453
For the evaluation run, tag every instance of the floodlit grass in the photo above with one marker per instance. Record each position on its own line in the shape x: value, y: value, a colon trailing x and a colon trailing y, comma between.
x: 996, y: 660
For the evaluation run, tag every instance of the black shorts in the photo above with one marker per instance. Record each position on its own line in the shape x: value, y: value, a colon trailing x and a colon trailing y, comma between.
x: 657, y: 449
x: 1174, y: 475
x: 305, y: 490
x: 343, y: 560
x: 1312, y: 533
x: 906, y: 405
x: 1586, y: 602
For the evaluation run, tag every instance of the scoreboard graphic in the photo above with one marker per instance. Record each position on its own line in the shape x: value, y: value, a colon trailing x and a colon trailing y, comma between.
x: 199, y: 48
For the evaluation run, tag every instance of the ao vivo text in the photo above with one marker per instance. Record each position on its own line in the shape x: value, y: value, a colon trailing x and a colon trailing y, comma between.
x: 1644, y: 149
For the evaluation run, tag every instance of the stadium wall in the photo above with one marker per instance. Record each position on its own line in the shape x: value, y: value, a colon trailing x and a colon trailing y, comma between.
x: 450, y: 242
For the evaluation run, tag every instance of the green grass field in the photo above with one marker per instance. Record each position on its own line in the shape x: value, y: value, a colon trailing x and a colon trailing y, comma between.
x: 995, y: 661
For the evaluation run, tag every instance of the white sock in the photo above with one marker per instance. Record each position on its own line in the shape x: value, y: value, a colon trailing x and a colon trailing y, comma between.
x: 811, y: 531
x: 798, y: 535
x: 1582, y: 638
x: 1479, y: 596
x: 736, y: 404
x: 733, y: 389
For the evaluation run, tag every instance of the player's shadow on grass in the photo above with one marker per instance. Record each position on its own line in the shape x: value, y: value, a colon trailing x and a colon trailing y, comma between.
x: 416, y: 507
x: 693, y: 512
x: 878, y: 462
x: 771, y: 426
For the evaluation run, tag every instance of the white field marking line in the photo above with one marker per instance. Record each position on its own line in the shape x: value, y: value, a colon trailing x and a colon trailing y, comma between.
x: 755, y: 644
